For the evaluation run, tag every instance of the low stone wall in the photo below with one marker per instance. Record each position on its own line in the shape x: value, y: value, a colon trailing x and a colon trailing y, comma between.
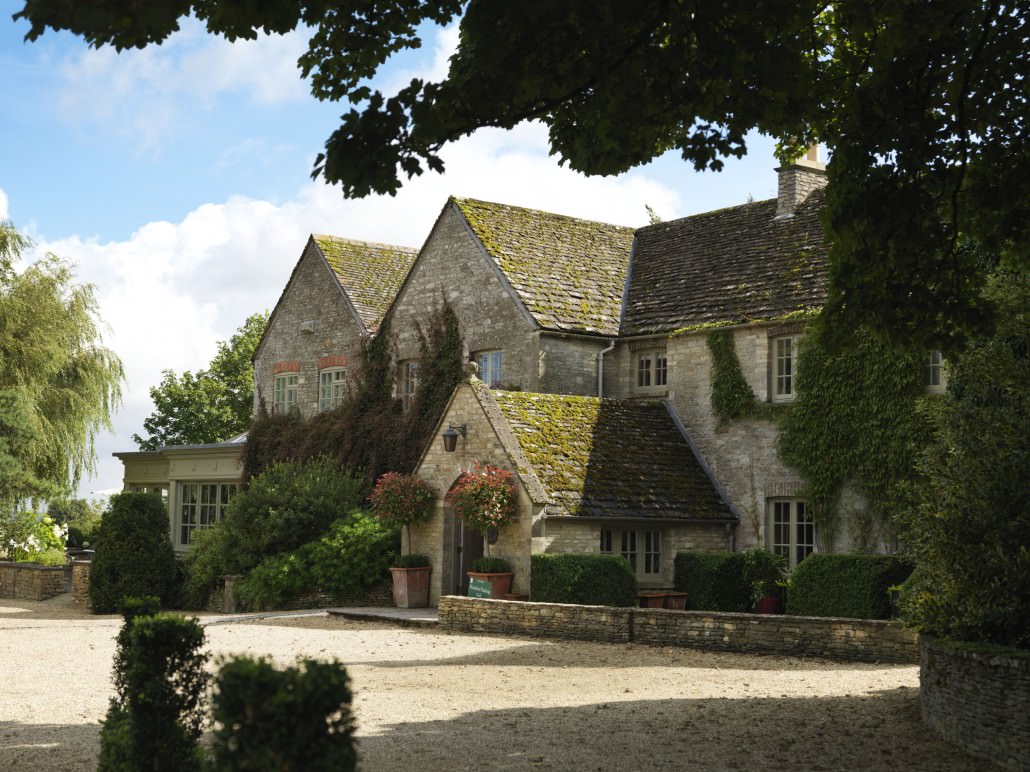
x: 80, y: 583
x: 27, y: 581
x: 840, y: 639
x: 978, y: 700
x: 223, y: 601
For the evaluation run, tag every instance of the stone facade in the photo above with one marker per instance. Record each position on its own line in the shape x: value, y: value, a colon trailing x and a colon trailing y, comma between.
x: 27, y: 581
x: 979, y: 700
x: 838, y: 639
x: 312, y: 322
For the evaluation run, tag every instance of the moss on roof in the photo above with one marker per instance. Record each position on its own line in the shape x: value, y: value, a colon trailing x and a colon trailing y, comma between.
x: 569, y: 273
x: 610, y: 458
x: 730, y: 266
x: 371, y: 274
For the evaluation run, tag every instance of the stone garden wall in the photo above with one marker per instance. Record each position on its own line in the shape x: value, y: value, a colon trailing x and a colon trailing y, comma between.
x: 840, y: 639
x: 27, y: 581
x: 977, y: 699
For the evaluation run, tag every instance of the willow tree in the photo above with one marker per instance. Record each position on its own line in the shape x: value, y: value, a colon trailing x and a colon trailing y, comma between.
x: 59, y: 386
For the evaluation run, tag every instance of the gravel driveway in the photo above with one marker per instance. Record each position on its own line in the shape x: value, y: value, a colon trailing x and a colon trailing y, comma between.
x: 429, y: 701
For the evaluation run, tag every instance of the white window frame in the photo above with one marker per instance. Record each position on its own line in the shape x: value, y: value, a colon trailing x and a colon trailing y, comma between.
x: 934, y: 378
x: 652, y: 369
x: 286, y: 393
x: 201, y: 505
x: 791, y: 530
x: 490, y: 367
x: 411, y: 380
x: 783, y: 367
x: 332, y: 385
x: 642, y: 549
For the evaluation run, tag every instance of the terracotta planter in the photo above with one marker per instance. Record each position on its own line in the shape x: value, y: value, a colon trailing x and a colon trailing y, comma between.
x: 500, y: 583
x: 411, y: 586
x: 677, y: 601
x: 769, y: 604
x: 651, y: 599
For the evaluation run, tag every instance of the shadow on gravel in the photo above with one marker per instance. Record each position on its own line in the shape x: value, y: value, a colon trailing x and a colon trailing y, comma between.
x: 878, y: 732
x: 49, y: 747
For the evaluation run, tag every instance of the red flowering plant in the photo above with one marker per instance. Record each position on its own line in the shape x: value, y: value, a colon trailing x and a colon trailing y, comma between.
x: 484, y: 498
x: 403, y: 499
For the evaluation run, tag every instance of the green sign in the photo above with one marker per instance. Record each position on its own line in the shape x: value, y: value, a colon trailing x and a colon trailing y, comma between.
x: 480, y: 588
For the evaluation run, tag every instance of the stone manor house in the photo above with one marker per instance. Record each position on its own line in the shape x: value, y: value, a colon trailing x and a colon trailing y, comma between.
x: 594, y: 376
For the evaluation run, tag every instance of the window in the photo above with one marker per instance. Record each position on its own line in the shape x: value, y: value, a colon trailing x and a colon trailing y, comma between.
x: 331, y: 386
x: 933, y: 373
x: 652, y: 369
x: 641, y: 549
x: 792, y: 531
x: 411, y: 380
x: 201, y: 505
x: 784, y: 367
x: 490, y: 368
x: 284, y: 393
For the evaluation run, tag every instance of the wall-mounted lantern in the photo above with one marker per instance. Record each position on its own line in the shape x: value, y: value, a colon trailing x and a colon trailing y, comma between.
x: 450, y: 437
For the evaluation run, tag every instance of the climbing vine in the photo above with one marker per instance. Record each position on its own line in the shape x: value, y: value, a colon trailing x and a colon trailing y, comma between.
x: 369, y: 433
x: 856, y: 419
x: 732, y: 397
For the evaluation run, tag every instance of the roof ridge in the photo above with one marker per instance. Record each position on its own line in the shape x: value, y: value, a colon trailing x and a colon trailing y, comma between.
x: 468, y: 199
x: 366, y: 242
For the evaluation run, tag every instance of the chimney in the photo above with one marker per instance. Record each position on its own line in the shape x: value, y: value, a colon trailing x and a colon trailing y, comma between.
x: 797, y: 180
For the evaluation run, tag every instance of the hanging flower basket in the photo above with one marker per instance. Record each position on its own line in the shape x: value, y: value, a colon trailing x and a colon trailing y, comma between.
x: 403, y: 499
x: 484, y: 498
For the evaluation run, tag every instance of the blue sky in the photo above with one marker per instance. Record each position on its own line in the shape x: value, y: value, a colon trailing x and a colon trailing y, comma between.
x: 177, y: 179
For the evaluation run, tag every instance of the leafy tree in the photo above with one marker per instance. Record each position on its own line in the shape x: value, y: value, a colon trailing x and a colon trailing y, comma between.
x: 213, y: 405
x: 921, y: 105
x: 58, y: 385
x: 970, y: 530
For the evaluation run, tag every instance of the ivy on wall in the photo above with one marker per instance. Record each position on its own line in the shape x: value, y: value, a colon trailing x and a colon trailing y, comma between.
x: 857, y: 419
x: 732, y: 397
x: 369, y: 433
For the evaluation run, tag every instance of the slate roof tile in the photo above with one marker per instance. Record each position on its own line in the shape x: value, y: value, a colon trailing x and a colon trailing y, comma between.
x: 610, y: 458
x: 569, y: 273
x: 370, y: 273
x: 726, y: 267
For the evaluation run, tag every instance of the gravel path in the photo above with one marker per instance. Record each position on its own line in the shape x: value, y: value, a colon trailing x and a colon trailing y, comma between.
x: 431, y: 701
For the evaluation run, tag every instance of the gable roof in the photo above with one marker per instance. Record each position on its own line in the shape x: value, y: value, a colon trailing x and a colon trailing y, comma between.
x: 369, y: 273
x: 610, y: 458
x: 569, y: 273
x: 727, y: 267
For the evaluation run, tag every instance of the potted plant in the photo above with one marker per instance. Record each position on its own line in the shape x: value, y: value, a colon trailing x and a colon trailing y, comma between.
x: 496, y: 571
x: 484, y: 498
x: 404, y: 499
x: 763, y: 573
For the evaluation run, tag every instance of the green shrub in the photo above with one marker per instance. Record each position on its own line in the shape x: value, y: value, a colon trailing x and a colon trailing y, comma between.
x: 485, y: 565
x: 586, y: 579
x: 410, y: 561
x: 279, y: 511
x: 155, y: 719
x: 764, y: 573
x: 351, y: 558
x: 298, y: 718
x: 853, y: 586
x: 26, y: 536
x: 714, y: 581
x: 134, y: 554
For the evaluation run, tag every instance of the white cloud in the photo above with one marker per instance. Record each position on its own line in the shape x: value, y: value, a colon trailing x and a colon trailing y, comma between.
x: 145, y: 94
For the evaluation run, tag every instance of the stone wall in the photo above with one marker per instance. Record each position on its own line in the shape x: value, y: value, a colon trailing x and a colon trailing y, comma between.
x: 80, y: 583
x: 838, y: 639
x: 222, y: 601
x: 312, y: 322
x: 27, y: 581
x: 978, y: 700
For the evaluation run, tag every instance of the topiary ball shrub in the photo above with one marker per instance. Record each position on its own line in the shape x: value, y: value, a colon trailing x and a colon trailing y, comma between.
x: 134, y: 555
x: 298, y: 718
x: 714, y: 581
x: 584, y: 579
x: 852, y: 586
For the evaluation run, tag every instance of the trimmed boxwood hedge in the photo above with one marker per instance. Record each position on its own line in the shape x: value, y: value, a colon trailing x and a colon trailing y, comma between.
x: 853, y: 586
x: 713, y: 581
x: 584, y: 579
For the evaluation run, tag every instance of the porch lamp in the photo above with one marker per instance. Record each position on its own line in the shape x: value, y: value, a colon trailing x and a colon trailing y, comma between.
x: 450, y: 437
